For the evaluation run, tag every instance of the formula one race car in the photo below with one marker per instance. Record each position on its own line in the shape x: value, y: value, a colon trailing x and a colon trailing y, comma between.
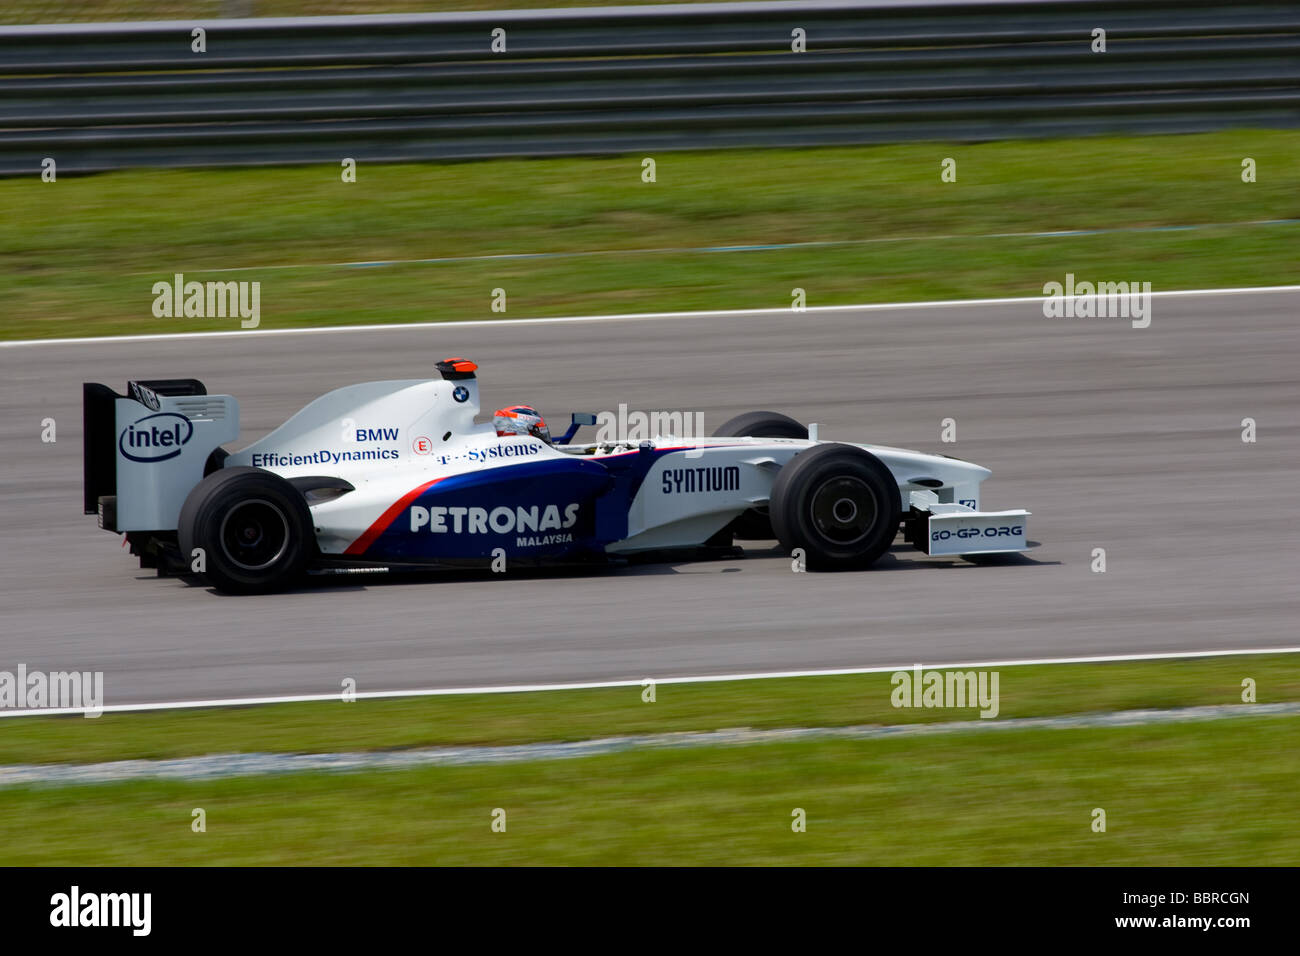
x: 394, y: 475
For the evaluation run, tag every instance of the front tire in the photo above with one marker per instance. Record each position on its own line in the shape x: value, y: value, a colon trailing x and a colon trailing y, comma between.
x: 254, y: 528
x: 762, y: 425
x: 840, y: 504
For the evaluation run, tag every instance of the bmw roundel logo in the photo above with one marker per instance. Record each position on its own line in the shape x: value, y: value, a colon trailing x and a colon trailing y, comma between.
x: 461, y: 394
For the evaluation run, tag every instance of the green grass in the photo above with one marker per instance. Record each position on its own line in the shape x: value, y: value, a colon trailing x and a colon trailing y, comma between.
x: 80, y: 256
x: 491, y: 719
x: 1195, y: 794
x: 90, y: 11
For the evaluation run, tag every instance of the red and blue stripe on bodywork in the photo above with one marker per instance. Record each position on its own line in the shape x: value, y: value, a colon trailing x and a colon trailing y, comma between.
x: 602, y: 489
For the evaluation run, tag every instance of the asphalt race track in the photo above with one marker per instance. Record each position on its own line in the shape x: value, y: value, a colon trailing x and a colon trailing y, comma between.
x: 1116, y: 438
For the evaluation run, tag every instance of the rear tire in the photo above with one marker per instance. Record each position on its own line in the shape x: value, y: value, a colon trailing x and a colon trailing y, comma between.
x: 254, y: 528
x: 216, y: 461
x: 838, y: 503
x: 755, y: 524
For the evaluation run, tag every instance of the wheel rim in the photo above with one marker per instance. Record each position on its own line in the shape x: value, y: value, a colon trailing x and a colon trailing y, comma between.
x: 254, y: 534
x: 844, y: 510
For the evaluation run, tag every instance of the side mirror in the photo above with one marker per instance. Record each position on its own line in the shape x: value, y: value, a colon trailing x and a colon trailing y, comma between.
x: 578, y: 420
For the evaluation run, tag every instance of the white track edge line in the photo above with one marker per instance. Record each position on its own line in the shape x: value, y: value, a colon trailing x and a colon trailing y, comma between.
x: 626, y: 317
x: 594, y: 685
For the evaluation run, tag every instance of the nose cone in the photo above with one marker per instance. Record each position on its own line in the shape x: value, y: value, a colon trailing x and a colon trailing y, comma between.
x: 973, y: 471
x: 907, y: 464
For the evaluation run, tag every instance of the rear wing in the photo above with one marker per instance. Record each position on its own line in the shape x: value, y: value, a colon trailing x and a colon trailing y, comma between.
x: 143, y: 452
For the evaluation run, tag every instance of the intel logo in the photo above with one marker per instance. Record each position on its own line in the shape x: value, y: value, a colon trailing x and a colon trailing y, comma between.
x: 155, y: 437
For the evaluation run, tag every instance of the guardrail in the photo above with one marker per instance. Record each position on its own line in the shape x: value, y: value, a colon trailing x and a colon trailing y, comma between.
x: 636, y: 79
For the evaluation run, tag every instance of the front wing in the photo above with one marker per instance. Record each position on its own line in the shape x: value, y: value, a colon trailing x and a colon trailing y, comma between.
x: 939, y: 528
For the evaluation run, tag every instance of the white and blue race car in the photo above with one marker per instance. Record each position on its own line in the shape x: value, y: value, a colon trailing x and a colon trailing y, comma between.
x: 399, y: 475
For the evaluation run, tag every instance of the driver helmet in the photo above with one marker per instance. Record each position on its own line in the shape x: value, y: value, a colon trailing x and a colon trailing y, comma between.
x: 521, y: 420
